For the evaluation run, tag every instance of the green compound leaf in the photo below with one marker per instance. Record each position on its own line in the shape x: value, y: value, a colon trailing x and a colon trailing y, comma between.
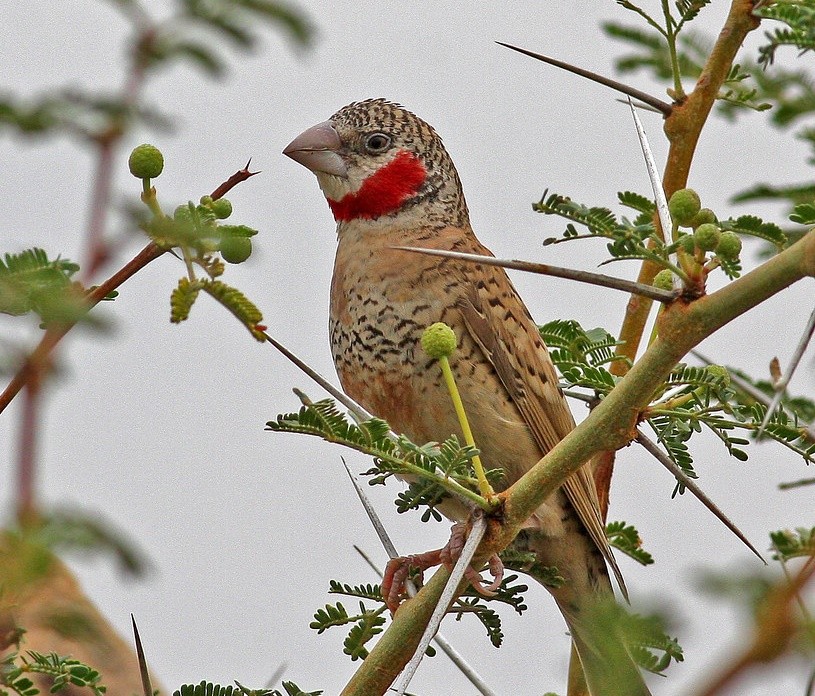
x: 368, y: 625
x: 626, y: 538
x: 31, y: 282
x: 797, y: 543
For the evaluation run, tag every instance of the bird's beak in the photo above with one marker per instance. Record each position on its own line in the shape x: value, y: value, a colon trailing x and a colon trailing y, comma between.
x: 316, y: 149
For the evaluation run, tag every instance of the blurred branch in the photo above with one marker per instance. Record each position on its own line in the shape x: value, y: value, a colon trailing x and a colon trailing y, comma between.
x: 106, y: 141
x: 53, y: 335
x: 775, y: 628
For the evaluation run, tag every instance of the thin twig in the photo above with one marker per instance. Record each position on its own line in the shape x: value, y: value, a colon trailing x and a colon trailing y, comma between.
x: 663, y: 107
x: 781, y: 384
x: 448, y: 594
x: 238, y: 177
x: 800, y: 483
x: 652, y: 448
x: 556, y: 271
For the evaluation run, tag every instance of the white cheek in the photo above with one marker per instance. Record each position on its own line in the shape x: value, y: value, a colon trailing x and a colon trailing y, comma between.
x: 334, y: 187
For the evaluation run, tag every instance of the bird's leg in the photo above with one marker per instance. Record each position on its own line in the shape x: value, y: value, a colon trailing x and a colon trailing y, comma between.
x: 397, y: 570
x: 451, y: 552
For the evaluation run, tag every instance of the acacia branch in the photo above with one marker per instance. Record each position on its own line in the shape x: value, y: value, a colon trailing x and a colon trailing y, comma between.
x: 53, y: 335
x: 683, y: 128
x: 609, y: 426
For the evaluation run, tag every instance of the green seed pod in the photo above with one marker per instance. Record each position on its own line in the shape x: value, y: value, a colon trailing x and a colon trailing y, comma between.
x: 719, y: 372
x: 664, y: 280
x: 235, y: 249
x: 146, y: 162
x: 687, y: 243
x: 684, y: 204
x: 729, y: 245
x: 439, y: 340
x: 707, y: 236
x: 222, y: 208
x: 703, y: 216
x: 205, y: 200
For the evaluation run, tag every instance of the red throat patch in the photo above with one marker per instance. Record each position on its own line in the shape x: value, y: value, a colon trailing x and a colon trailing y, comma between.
x: 382, y: 192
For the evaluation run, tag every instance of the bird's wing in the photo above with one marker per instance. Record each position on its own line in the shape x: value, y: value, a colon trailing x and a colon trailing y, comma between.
x: 500, y: 324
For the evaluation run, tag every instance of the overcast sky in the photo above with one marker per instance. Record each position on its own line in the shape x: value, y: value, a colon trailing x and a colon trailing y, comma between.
x: 160, y: 428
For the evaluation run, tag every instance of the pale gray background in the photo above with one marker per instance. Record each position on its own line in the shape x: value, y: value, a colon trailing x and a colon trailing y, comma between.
x: 160, y: 427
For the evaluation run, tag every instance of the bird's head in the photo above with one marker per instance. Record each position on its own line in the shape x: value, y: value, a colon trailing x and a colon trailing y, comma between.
x: 375, y: 160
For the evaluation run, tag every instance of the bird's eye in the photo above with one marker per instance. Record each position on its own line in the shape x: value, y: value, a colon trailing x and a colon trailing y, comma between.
x: 377, y: 142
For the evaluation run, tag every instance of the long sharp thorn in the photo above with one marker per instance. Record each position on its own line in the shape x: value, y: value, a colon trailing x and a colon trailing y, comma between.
x: 455, y: 656
x: 147, y: 687
x: 656, y: 186
x: 652, y: 448
x: 555, y: 271
x: 653, y: 173
x: 663, y: 107
x: 447, y: 595
x: 379, y: 528
x: 345, y: 400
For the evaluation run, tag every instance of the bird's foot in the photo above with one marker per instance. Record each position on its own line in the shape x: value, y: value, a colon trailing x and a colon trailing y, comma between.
x: 398, y: 569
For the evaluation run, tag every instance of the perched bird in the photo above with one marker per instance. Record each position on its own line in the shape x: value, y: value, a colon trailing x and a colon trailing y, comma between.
x: 389, y: 181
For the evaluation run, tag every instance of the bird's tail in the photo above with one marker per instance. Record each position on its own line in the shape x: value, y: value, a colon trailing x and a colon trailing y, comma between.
x: 607, y: 668
x: 585, y: 598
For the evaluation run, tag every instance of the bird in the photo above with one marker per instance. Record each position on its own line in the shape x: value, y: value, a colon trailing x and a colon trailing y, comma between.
x: 390, y: 182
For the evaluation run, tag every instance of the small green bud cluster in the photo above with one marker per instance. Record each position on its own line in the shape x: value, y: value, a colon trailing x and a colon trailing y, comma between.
x: 196, y: 226
x: 146, y: 162
x: 664, y: 280
x: 221, y: 207
x: 232, y: 241
x: 687, y: 211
